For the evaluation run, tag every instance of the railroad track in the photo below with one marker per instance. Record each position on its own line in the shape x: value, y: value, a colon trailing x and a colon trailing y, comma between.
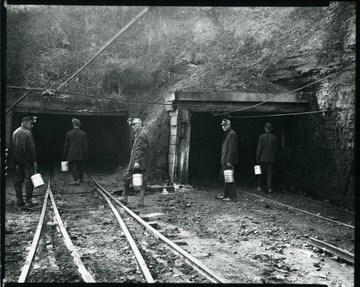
x: 303, y: 210
x: 92, y: 237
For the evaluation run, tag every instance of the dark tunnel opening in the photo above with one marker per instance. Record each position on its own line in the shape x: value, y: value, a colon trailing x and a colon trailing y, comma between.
x: 108, y: 138
x: 206, y: 140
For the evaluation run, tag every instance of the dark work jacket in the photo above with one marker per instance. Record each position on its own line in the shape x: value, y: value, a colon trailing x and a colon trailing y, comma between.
x: 24, y: 147
x: 229, y: 148
x: 76, y: 146
x: 266, y: 148
x: 140, y: 150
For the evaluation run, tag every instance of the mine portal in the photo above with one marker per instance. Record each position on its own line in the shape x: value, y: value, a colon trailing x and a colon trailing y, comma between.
x: 195, y: 132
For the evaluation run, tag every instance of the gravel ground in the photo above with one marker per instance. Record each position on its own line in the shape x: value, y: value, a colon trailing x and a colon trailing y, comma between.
x: 253, y: 240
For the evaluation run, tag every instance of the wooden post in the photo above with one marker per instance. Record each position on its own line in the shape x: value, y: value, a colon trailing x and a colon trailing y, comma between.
x: 184, y: 131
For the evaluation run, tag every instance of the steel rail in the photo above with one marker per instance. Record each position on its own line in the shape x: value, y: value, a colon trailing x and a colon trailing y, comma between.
x: 30, y: 257
x: 199, y: 266
x: 85, y: 274
x: 320, y: 203
x: 138, y: 256
x: 342, y: 253
x: 300, y: 210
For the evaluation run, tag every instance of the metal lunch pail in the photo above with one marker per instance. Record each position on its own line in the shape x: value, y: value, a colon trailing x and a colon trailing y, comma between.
x: 137, y: 179
x: 64, y: 166
x: 257, y: 169
x: 37, y: 180
x: 229, y: 175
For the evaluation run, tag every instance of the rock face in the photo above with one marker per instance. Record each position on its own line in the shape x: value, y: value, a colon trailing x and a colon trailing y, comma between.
x: 324, y: 164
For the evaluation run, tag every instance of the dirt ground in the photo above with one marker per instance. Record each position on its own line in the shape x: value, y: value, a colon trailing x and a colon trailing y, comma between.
x: 250, y: 241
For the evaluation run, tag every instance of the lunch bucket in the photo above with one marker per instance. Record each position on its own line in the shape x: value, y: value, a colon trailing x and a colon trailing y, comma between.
x: 64, y: 166
x: 37, y: 180
x: 257, y: 169
x: 229, y: 175
x: 137, y: 180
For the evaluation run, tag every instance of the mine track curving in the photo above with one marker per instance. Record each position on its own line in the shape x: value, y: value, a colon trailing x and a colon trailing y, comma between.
x: 300, y: 210
x: 78, y: 253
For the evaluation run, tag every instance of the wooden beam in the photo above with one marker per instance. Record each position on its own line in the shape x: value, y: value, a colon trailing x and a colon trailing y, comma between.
x: 247, y: 106
x: 238, y: 97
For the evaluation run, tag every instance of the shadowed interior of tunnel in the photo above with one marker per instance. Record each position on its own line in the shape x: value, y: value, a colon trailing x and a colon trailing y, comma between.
x: 108, y: 139
x: 206, y: 140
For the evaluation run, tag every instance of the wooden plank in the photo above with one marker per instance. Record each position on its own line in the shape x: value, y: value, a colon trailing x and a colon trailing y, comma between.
x: 173, y: 130
x: 130, y: 240
x: 172, y: 148
x: 173, y: 120
x: 174, y: 140
x: 240, y: 97
x: 184, y: 145
x: 82, y: 270
x: 342, y: 253
x: 30, y: 257
x: 247, y: 106
x: 173, y: 113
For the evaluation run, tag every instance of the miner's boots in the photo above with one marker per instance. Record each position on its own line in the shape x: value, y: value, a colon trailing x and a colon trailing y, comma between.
x: 124, y: 197
x: 142, y: 197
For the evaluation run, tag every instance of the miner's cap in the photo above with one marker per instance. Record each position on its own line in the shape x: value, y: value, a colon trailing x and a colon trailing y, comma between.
x: 268, y: 126
x: 135, y: 121
x: 27, y: 119
x: 76, y: 122
x: 225, y: 122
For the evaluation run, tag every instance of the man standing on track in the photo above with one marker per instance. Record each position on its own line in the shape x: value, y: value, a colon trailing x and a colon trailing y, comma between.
x: 265, y: 156
x: 229, y: 158
x: 24, y: 160
x: 76, y: 151
x: 139, y: 159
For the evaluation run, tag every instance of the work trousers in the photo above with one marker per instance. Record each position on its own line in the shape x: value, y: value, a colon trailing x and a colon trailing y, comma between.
x: 229, y: 189
x: 77, y: 169
x: 23, y: 175
x: 266, y: 175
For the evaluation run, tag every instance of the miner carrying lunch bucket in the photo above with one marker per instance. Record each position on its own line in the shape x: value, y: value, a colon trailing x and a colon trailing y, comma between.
x: 139, y: 160
x: 229, y: 158
x: 25, y: 161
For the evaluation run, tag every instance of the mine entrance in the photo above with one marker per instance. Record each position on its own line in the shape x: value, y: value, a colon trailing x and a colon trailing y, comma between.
x: 108, y: 137
x: 206, y: 140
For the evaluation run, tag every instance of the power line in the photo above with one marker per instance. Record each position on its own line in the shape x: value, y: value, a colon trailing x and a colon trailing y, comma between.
x: 291, y: 114
x: 142, y: 13
x: 256, y: 105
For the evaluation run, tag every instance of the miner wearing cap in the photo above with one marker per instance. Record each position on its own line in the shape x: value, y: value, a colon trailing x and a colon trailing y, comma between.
x: 25, y: 161
x: 229, y: 158
x: 139, y: 160
x: 76, y: 151
x: 265, y: 156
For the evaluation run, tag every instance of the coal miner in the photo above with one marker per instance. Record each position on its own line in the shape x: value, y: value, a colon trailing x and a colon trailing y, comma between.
x: 229, y: 158
x: 76, y: 151
x: 139, y: 160
x: 265, y: 156
x: 24, y: 160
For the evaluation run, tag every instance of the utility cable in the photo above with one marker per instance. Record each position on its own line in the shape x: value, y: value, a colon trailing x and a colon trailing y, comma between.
x: 16, y: 102
x: 142, y: 13
x: 259, y: 104
x: 291, y: 114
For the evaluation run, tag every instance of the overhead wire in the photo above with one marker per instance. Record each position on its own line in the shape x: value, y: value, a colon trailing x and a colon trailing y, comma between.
x: 283, y: 95
x: 292, y: 114
x: 136, y: 18
x: 127, y: 26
